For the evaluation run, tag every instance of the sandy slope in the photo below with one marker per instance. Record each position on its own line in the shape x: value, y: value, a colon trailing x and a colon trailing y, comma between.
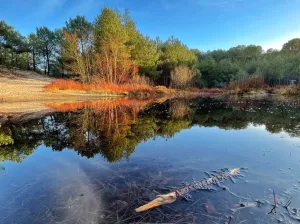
x: 22, y: 86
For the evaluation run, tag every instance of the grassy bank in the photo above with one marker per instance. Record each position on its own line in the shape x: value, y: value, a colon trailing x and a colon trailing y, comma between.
x: 106, y: 89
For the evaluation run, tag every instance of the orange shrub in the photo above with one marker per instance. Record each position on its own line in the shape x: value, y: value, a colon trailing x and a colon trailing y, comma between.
x: 62, y: 84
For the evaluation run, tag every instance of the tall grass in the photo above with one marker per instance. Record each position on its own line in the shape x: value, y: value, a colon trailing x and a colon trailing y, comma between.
x: 292, y: 90
x: 212, y: 90
x: 247, y: 84
x: 104, y: 87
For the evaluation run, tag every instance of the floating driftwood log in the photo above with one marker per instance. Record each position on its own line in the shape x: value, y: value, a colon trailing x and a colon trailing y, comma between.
x: 180, y: 192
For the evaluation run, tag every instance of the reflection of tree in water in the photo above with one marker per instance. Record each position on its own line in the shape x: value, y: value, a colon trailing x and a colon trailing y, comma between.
x: 115, y: 129
x: 94, y: 129
x: 24, y: 139
x: 180, y: 109
x: 277, y: 116
x: 5, y: 137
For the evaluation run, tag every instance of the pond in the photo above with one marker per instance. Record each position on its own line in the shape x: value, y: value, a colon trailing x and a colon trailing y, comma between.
x: 96, y: 162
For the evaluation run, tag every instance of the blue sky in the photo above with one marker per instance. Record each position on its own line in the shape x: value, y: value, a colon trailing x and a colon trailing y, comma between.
x: 202, y: 24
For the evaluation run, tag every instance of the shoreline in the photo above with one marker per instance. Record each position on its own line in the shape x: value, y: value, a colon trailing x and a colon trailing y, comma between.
x: 24, y: 92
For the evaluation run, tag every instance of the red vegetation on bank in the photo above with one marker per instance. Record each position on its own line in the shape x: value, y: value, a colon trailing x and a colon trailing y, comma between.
x: 62, y: 84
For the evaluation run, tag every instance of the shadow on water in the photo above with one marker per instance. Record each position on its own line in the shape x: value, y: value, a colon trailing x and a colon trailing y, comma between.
x: 44, y: 181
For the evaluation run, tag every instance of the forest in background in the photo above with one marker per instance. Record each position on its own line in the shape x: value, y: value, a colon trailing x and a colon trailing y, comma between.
x: 112, y: 50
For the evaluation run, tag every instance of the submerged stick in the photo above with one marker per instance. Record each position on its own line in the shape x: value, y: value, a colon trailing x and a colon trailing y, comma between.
x: 173, y: 195
x: 275, y: 204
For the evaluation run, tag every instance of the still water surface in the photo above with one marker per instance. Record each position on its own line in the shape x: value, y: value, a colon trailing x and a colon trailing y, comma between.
x: 95, y: 162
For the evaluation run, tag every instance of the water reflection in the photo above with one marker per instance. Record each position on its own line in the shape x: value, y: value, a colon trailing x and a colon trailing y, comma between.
x: 115, y: 128
x: 60, y: 182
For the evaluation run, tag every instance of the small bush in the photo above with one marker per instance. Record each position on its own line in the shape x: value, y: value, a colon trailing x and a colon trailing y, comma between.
x: 247, y: 84
x: 181, y: 77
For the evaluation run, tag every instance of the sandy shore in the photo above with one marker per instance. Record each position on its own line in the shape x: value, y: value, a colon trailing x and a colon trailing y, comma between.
x: 23, y: 92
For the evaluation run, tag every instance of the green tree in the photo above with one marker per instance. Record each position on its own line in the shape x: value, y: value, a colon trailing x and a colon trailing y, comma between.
x: 12, y: 46
x: 292, y: 46
x: 75, y: 61
x: 49, y: 42
x: 146, y: 54
x: 207, y: 66
x: 34, y: 46
x: 82, y: 28
x: 175, y: 53
x: 111, y: 36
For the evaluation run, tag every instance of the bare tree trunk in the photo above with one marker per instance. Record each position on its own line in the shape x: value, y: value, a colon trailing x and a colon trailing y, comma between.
x: 62, y: 70
x: 33, y: 60
x: 28, y: 61
x: 16, y: 60
x: 45, y: 66
x: 12, y: 57
x: 48, y: 63
x: 108, y: 68
x: 81, y: 42
x: 5, y: 56
x: 115, y: 69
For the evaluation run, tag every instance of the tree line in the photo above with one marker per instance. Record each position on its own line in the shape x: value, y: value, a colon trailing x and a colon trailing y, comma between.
x: 277, y: 67
x: 111, y: 49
